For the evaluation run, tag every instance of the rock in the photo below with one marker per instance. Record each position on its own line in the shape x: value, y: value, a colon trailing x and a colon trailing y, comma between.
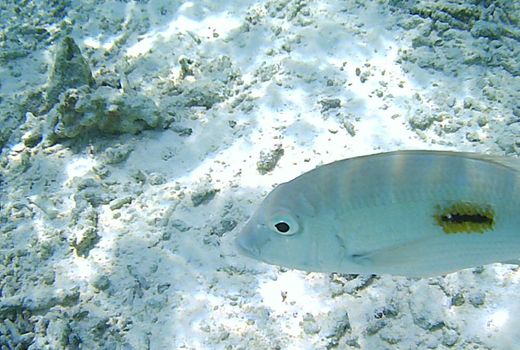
x: 116, y: 155
x: 61, y: 335
x: 508, y: 139
x: 390, y: 336
x: 85, y: 241
x: 477, y: 299
x: 350, y: 283
x: 119, y: 202
x: 449, y: 337
x: 29, y: 27
x: 16, y: 335
x: 421, y: 121
x: 85, y: 226
x: 457, y: 299
x: 156, y: 179
x: 45, y: 204
x: 349, y: 127
x: 179, y: 225
x: 10, y: 305
x: 309, y: 324
x: 68, y: 298
x: 224, y: 226
x: 453, y: 14
x: 70, y: 70
x: 451, y: 126
x: 473, y: 136
x: 427, y: 315
x: 204, y: 94
x: 269, y: 159
x: 138, y: 176
x: 203, y: 84
x: 181, y: 131
x: 92, y: 192
x: 203, y: 195
x: 161, y: 288
x: 101, y: 282
x: 341, y: 328
x: 374, y: 326
x: 453, y: 34
x: 329, y: 103
x: 32, y: 138
x: 387, y: 311
x: 48, y: 277
x: 266, y: 71
x: 101, y: 171
x: 487, y: 29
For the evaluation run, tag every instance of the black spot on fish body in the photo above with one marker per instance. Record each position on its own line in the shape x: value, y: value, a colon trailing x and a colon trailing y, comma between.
x: 465, y: 217
x: 461, y: 218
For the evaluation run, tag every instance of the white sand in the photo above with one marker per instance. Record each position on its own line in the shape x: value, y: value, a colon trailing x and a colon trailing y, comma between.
x: 162, y: 273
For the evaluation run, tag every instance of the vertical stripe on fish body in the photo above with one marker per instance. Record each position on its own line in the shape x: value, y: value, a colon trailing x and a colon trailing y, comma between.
x: 410, y: 213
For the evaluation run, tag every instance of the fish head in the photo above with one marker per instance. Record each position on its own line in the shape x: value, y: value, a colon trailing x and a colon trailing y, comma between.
x: 289, y: 230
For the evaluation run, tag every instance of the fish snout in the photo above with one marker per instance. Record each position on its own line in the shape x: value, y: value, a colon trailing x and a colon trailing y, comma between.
x: 243, y: 247
x: 251, y: 240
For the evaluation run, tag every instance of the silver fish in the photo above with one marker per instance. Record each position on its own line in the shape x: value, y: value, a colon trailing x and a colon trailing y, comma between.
x: 407, y: 213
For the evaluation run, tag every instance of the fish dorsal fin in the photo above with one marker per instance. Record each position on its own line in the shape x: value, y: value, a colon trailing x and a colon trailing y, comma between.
x: 509, y: 162
x: 511, y: 262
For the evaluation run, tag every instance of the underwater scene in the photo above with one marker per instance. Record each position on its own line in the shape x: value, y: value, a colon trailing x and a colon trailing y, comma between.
x: 276, y: 174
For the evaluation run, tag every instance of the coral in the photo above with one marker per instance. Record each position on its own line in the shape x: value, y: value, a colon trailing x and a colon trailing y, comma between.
x: 105, y: 109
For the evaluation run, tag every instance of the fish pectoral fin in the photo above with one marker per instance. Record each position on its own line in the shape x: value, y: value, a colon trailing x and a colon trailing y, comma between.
x: 410, y: 259
x: 381, y: 259
x: 361, y: 259
x: 397, y: 253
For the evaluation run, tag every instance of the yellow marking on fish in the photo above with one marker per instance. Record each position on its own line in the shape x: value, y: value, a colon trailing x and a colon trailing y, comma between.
x: 465, y: 217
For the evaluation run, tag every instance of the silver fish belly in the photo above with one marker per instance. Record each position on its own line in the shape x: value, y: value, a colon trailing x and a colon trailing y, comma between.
x: 408, y: 213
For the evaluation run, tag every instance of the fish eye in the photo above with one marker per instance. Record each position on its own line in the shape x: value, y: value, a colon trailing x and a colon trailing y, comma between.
x: 284, y: 224
x: 282, y: 227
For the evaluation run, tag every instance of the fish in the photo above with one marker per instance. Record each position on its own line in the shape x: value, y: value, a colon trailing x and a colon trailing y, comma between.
x: 413, y: 213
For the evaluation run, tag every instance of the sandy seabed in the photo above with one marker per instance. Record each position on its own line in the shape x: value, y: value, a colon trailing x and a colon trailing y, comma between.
x: 138, y: 136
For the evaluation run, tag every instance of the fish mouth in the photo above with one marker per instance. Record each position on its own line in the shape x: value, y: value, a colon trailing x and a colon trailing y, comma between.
x: 241, y: 248
x: 251, y: 246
